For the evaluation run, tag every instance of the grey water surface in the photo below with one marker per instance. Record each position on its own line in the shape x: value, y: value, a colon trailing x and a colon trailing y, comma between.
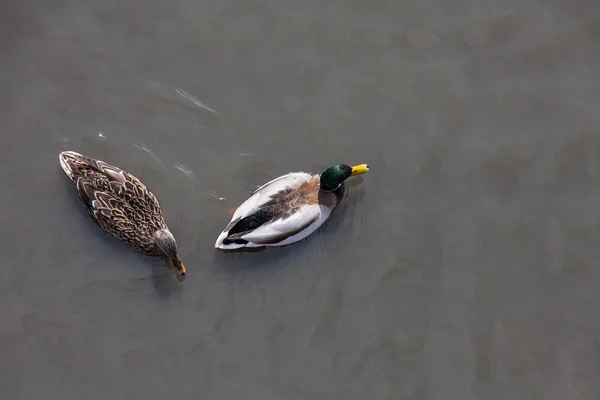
x: 465, y: 265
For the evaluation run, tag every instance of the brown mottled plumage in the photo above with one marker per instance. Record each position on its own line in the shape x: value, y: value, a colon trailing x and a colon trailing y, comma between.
x: 122, y: 206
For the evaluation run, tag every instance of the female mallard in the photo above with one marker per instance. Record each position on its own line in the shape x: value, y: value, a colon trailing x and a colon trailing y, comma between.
x: 122, y: 206
x: 287, y: 209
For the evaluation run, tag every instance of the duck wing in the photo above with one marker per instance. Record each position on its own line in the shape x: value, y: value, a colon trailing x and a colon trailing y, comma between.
x: 266, y: 217
x: 110, y: 179
x: 116, y: 200
x: 271, y: 226
x: 265, y: 194
x: 108, y: 211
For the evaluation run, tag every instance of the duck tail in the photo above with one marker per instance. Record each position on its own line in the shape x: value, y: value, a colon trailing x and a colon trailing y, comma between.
x: 225, y: 243
x: 66, y: 159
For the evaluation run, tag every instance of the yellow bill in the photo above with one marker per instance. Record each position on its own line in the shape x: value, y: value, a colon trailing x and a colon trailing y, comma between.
x: 360, y: 169
x: 178, y: 266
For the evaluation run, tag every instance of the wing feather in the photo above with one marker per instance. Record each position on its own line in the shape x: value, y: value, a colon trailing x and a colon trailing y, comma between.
x: 103, y: 207
x: 280, y: 229
x: 264, y: 194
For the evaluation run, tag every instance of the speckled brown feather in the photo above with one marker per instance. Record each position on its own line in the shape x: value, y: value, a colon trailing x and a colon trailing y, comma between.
x: 117, y: 201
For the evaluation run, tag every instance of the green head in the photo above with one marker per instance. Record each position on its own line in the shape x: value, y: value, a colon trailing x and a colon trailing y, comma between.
x: 334, y: 176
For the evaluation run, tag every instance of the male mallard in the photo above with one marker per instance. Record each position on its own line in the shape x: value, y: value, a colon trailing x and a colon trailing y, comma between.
x: 287, y: 209
x: 122, y: 206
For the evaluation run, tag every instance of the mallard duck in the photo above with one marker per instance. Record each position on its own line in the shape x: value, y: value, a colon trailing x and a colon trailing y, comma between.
x: 287, y: 209
x: 121, y: 205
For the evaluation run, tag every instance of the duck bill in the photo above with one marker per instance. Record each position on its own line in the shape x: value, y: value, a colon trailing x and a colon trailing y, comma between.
x: 360, y: 169
x: 178, y: 266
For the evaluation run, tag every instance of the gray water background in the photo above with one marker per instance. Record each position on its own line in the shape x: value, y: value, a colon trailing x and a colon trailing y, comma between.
x: 463, y: 266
